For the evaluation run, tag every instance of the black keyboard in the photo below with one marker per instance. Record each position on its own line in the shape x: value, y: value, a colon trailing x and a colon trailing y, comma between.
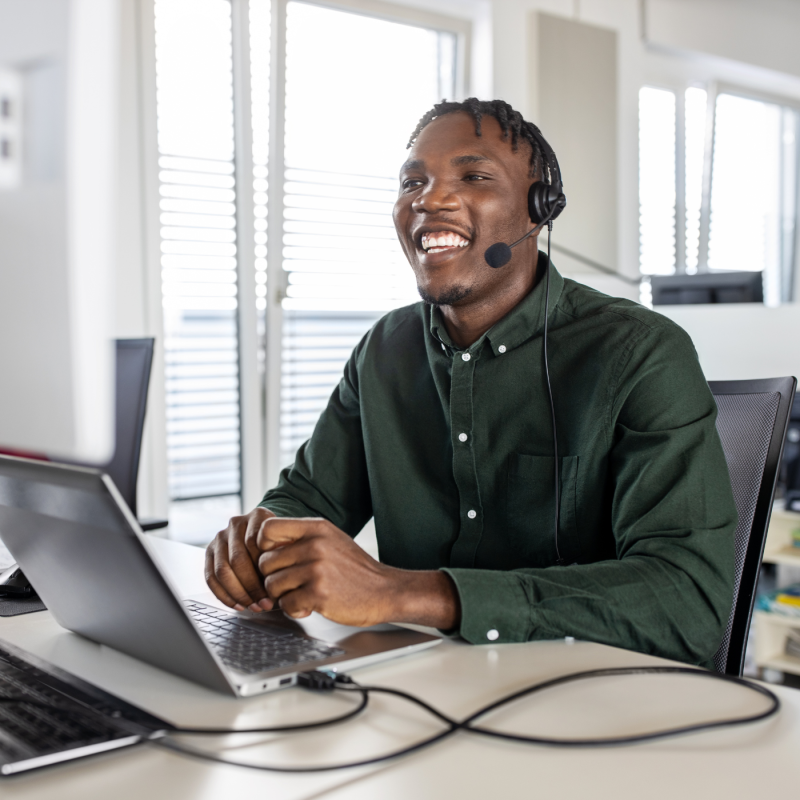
x: 28, y: 730
x: 257, y: 648
x: 63, y: 715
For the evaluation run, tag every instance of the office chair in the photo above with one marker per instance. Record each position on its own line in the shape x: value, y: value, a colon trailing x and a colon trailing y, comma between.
x: 752, y: 421
x: 134, y: 360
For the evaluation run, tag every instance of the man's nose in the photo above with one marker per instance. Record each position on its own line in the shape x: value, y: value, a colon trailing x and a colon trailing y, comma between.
x: 436, y: 196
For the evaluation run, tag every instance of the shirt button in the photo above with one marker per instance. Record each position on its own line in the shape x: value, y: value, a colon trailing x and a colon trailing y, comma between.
x: 492, y: 635
x: 501, y: 349
x: 462, y: 437
x: 472, y: 514
x: 466, y: 356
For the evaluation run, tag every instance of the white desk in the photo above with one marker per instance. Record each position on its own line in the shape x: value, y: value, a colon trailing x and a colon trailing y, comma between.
x: 761, y: 760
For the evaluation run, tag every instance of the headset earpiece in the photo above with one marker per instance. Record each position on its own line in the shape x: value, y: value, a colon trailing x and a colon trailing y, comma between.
x: 544, y: 199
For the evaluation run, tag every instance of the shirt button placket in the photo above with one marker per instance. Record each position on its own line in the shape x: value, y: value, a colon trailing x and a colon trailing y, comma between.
x: 464, y: 470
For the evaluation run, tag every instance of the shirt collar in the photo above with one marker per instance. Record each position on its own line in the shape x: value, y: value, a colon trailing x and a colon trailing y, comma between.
x: 523, y: 322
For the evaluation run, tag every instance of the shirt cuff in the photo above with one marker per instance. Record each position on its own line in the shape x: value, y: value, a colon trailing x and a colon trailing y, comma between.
x: 282, y: 507
x: 495, y: 608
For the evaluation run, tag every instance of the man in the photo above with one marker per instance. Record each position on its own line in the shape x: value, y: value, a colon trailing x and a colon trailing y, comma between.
x: 441, y: 429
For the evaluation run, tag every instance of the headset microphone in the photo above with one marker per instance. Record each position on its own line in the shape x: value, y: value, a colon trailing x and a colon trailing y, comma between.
x: 499, y: 254
x: 545, y: 202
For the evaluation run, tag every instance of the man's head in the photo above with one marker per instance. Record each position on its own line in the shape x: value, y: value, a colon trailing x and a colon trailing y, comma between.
x: 463, y: 188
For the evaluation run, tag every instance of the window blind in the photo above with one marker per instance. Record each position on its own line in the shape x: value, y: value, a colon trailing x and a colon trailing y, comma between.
x: 198, y: 244
x: 343, y: 265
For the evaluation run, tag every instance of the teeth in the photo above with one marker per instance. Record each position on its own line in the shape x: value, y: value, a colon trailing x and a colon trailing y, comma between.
x: 436, y: 242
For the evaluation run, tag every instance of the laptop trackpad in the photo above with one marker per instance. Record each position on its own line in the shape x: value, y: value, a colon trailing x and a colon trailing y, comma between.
x: 314, y: 625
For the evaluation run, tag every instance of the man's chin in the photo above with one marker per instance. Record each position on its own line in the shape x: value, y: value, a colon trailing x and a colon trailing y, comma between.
x: 447, y: 296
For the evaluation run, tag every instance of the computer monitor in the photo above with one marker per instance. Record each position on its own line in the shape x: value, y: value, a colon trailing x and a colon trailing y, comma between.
x: 707, y: 287
x: 58, y: 167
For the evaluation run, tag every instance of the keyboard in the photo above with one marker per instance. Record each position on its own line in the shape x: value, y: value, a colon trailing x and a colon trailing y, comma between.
x: 76, y: 719
x: 252, y: 649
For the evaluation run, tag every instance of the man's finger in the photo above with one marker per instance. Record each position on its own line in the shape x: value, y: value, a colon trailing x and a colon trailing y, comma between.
x: 254, y: 523
x: 216, y: 587
x: 298, y: 603
x: 226, y: 577
x: 287, y: 556
x: 286, y: 580
x: 244, y: 568
x: 280, y: 531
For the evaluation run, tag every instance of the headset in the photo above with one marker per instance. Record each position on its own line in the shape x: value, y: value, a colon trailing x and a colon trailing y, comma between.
x: 546, y: 201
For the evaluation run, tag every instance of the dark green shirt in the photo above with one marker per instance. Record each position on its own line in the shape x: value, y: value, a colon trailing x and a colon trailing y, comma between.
x: 452, y: 452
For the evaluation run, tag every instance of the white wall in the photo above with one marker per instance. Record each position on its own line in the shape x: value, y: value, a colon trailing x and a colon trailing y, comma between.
x: 577, y: 76
x: 58, y: 227
x: 742, y: 341
x: 762, y: 33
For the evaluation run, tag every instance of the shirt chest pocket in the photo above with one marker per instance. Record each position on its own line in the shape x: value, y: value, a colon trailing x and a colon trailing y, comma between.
x: 530, y: 509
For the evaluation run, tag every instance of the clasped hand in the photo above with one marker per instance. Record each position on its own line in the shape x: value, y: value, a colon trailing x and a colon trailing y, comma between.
x: 261, y: 561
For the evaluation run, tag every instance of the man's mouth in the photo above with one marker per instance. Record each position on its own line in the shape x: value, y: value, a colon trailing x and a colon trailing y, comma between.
x: 442, y: 241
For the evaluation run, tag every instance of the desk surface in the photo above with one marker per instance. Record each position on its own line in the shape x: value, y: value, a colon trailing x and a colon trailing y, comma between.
x: 758, y: 760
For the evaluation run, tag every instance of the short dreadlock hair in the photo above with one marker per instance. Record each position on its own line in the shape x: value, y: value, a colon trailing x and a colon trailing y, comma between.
x: 511, y: 123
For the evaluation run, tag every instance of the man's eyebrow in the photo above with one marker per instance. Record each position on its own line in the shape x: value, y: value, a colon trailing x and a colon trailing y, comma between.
x: 460, y: 161
x: 413, y: 164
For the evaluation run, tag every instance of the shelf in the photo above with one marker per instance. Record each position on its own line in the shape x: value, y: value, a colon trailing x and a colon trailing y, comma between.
x: 782, y: 664
x: 772, y: 631
x: 772, y: 618
x: 789, y: 555
x: 779, y: 549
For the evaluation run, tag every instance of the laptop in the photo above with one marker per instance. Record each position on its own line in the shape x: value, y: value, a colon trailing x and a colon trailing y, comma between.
x: 81, y: 548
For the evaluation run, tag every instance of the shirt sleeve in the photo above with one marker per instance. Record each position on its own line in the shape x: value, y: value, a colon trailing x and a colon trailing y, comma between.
x: 670, y: 589
x: 329, y: 476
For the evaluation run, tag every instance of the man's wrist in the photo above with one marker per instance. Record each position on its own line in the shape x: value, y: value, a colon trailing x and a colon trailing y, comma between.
x: 424, y: 598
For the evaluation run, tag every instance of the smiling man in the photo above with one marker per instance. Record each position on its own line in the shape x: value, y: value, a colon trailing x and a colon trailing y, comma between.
x: 441, y: 429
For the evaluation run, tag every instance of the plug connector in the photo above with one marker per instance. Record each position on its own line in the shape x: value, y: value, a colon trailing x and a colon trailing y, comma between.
x: 317, y: 681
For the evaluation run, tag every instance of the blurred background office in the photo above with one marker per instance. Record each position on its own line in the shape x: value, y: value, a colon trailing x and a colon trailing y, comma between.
x: 255, y: 146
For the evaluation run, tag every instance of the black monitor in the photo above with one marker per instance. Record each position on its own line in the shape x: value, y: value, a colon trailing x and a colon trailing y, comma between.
x: 707, y: 287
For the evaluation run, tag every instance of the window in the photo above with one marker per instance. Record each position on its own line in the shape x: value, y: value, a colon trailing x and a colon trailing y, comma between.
x: 656, y: 181
x: 199, y: 255
x: 754, y: 191
x: 723, y: 199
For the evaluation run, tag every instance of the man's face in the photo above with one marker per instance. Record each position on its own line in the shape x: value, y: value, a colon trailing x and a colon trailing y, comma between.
x: 459, y: 194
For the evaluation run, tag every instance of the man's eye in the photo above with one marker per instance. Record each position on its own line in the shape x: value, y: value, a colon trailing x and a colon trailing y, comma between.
x: 411, y: 183
x: 475, y: 177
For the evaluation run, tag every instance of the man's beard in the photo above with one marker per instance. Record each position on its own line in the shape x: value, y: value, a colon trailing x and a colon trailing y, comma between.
x: 447, y: 297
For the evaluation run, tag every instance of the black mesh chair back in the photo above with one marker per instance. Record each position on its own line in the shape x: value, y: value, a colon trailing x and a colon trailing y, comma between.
x: 134, y: 360
x: 752, y: 421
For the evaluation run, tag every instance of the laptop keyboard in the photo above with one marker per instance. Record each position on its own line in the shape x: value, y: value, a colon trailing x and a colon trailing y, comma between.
x: 29, y: 730
x: 250, y: 649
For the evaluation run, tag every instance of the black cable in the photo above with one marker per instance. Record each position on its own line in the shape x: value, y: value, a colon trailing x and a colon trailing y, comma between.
x: 190, y: 751
x: 320, y: 682
x: 559, y: 560
x: 635, y: 738
x: 344, y: 683
x: 305, y: 726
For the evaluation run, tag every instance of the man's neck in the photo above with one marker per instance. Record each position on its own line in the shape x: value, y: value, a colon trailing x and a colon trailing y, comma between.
x: 467, y: 322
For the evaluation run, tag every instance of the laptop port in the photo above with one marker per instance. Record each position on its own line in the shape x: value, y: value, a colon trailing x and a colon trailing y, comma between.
x: 284, y: 681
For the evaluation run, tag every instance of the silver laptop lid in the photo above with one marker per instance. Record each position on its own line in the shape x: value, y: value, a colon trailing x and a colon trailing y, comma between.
x: 82, y: 550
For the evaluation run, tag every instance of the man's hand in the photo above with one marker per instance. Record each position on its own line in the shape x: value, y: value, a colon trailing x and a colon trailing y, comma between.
x: 232, y: 563
x: 311, y: 565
